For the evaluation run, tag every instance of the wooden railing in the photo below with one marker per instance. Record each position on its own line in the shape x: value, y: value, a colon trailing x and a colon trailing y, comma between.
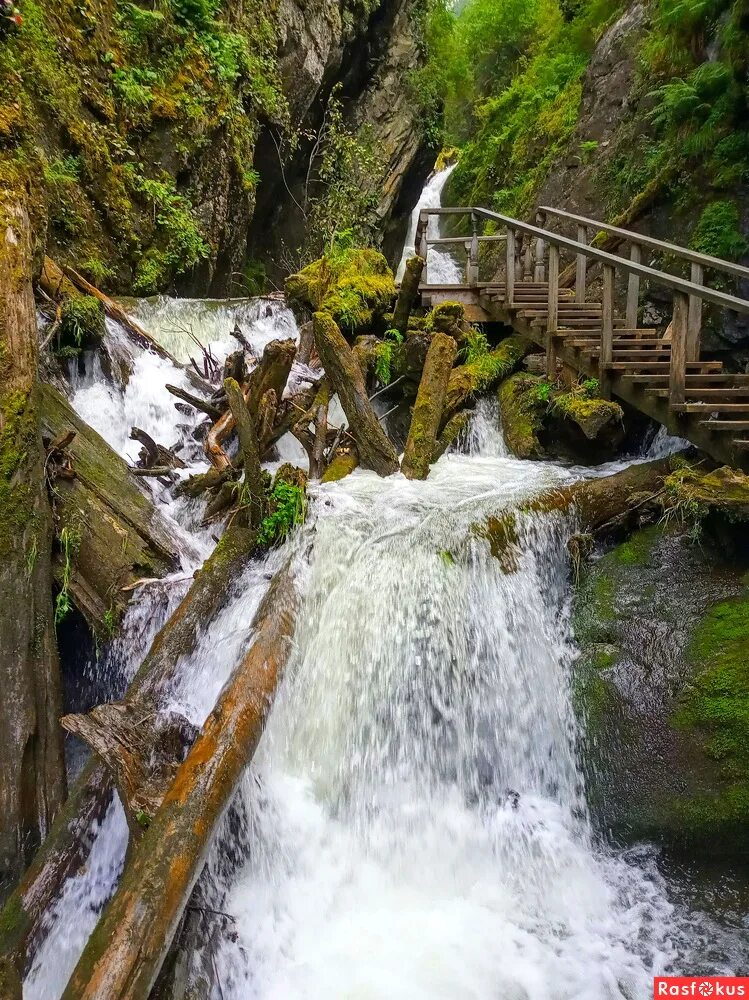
x: 533, y: 253
x: 699, y: 263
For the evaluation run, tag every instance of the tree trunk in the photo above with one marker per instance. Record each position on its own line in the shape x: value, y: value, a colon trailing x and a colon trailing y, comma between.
x: 67, y: 846
x: 115, y: 535
x: 124, y: 954
x: 248, y: 444
x: 430, y: 402
x: 32, y: 770
x: 376, y: 451
x: 407, y: 295
x: 483, y: 374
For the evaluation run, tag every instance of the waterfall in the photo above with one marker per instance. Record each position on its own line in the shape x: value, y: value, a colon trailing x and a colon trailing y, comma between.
x: 441, y: 266
x: 414, y: 824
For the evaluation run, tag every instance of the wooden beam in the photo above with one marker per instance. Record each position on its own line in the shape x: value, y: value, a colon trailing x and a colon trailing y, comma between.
x: 633, y: 289
x: 679, y: 332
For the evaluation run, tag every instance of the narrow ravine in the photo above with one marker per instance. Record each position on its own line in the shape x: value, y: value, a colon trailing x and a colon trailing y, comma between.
x: 415, y: 822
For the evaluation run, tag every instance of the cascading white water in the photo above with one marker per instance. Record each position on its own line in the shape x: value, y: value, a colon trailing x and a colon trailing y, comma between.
x: 441, y: 266
x: 414, y: 824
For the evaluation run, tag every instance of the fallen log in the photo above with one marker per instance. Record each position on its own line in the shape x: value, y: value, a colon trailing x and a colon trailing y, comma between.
x: 65, y: 282
x: 342, y: 369
x: 427, y: 412
x: 32, y: 768
x: 610, y: 502
x: 271, y: 373
x: 67, y: 845
x: 141, y: 748
x: 450, y: 433
x: 125, y: 953
x: 114, y: 533
x: 210, y: 409
x: 408, y: 292
x: 483, y: 374
x: 250, y: 450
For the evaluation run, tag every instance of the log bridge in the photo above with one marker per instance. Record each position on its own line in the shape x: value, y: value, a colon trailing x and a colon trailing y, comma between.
x: 576, y: 314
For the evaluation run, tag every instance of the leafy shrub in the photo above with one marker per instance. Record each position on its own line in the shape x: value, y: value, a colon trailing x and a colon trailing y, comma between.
x: 717, y: 233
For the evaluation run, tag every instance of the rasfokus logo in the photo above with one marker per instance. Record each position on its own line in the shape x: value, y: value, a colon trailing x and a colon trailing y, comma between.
x: 701, y: 986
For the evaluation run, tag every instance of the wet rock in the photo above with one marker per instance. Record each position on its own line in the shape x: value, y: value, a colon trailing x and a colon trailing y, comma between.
x: 663, y: 688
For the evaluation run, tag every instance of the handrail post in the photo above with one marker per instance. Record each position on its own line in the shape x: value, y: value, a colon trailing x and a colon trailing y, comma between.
x: 423, y: 245
x: 581, y: 269
x: 510, y: 268
x: 540, y: 250
x: 527, y: 259
x: 552, y: 323
x: 679, y: 333
x: 473, y: 258
x: 694, y: 334
x: 607, y: 332
x: 633, y: 288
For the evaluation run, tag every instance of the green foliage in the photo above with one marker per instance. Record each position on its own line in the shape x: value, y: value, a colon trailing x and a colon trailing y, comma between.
x: 70, y: 540
x: 383, y: 360
x: 543, y: 391
x: 717, y: 232
x: 475, y: 345
x: 395, y: 335
x: 81, y: 322
x: 289, y: 504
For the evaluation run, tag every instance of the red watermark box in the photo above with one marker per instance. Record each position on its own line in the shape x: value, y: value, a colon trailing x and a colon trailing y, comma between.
x: 701, y: 986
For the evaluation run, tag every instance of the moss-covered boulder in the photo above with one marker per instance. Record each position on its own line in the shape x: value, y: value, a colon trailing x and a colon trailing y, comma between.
x: 540, y: 419
x: 522, y: 410
x: 663, y: 689
x: 356, y: 287
x: 595, y: 417
x: 447, y: 317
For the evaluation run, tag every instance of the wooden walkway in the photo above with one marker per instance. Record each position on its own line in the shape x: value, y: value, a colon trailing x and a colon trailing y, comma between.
x: 588, y: 315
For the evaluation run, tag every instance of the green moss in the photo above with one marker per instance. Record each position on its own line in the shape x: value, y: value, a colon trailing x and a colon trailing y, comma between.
x: 445, y: 318
x: 590, y: 415
x: 343, y: 465
x: 288, y: 507
x: 718, y: 233
x: 522, y: 414
x: 355, y: 286
x: 82, y: 322
x: 637, y: 550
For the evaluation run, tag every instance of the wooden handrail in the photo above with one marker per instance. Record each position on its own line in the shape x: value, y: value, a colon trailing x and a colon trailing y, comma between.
x: 673, y: 249
x: 671, y: 281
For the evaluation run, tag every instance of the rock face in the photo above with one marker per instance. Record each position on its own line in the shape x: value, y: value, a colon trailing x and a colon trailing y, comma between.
x: 663, y: 682
x: 152, y: 135
x: 324, y: 45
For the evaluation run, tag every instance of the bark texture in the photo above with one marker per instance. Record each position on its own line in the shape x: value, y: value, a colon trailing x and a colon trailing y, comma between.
x: 125, y: 953
x: 32, y: 772
x: 119, y: 537
x: 376, y: 451
x: 250, y: 450
x: 430, y: 403
x: 68, y: 843
x: 407, y: 295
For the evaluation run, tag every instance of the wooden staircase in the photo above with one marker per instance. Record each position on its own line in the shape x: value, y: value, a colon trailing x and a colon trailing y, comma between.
x: 664, y: 376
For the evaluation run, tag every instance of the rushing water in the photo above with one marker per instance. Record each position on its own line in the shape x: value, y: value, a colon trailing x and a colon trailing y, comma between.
x: 415, y: 823
x: 442, y: 267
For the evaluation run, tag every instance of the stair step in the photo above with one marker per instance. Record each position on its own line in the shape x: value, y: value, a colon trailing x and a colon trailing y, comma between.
x: 572, y: 323
x: 630, y: 355
x: 694, y: 381
x: 725, y: 425
x: 664, y: 366
x: 716, y: 407
x: 740, y: 444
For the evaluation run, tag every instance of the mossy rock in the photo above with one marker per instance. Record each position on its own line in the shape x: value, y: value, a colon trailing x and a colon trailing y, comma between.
x: 522, y: 411
x: 82, y: 322
x: 447, y: 317
x: 592, y: 416
x: 355, y: 286
x: 662, y: 685
x: 724, y: 490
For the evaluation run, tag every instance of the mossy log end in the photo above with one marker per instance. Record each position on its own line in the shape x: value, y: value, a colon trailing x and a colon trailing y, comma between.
x: 483, y: 374
x: 125, y: 953
x: 32, y: 770
x: 68, y: 843
x: 342, y: 369
x: 407, y: 295
x: 345, y: 460
x: 430, y: 402
x: 118, y: 535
